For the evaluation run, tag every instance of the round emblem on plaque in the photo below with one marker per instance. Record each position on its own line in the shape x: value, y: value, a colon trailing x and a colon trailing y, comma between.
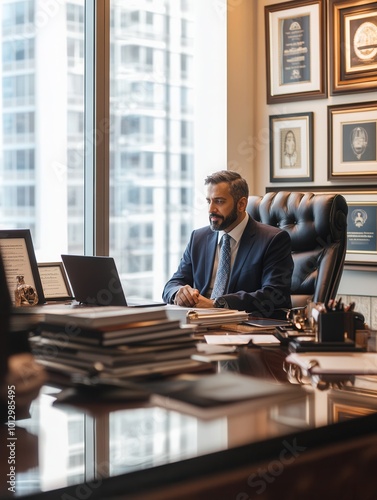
x: 359, y: 217
x: 359, y: 141
x: 365, y: 41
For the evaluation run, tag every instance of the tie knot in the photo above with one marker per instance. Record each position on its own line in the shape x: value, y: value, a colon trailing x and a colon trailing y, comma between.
x: 226, y: 239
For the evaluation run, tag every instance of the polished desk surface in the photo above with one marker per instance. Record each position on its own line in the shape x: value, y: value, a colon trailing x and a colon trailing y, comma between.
x: 61, y: 445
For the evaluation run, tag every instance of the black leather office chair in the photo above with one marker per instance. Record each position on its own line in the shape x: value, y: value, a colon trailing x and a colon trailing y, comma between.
x: 317, y: 224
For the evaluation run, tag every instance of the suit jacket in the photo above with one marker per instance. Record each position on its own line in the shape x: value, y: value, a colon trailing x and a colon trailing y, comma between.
x: 260, y: 279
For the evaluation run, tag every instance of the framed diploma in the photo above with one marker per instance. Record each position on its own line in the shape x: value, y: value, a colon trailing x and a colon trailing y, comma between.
x: 54, y: 281
x: 352, y: 141
x: 296, y: 51
x: 353, y: 47
x: 291, y: 147
x: 18, y: 255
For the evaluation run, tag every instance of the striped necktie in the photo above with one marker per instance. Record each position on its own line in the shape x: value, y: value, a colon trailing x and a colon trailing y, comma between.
x: 223, y: 269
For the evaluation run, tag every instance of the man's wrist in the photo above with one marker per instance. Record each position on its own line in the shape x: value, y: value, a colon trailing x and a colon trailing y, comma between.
x: 221, y: 303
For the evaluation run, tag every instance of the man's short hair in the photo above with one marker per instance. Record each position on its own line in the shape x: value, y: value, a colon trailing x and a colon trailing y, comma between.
x: 238, y: 186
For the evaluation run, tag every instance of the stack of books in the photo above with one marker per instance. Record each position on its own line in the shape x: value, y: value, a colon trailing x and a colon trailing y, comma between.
x: 115, y: 342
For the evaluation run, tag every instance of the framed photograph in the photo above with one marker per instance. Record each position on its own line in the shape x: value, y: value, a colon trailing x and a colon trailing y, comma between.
x: 352, y: 141
x: 353, y: 46
x: 54, y: 281
x: 18, y: 255
x: 291, y: 147
x: 296, y: 51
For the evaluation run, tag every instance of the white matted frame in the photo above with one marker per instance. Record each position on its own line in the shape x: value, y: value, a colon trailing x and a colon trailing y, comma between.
x: 352, y: 141
x: 296, y: 51
x: 291, y: 147
x: 361, y: 227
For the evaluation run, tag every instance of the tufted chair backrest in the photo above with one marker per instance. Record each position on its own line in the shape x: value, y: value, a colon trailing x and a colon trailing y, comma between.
x: 317, y: 225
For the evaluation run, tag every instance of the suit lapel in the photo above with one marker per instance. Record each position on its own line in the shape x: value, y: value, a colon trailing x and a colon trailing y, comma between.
x: 210, y: 251
x: 244, y: 250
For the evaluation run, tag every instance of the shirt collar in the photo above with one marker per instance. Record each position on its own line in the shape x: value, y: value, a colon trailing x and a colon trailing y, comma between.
x: 236, y: 233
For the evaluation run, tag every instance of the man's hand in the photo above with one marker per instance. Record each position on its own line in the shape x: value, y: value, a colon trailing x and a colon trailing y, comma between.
x: 190, y: 297
x: 187, y: 296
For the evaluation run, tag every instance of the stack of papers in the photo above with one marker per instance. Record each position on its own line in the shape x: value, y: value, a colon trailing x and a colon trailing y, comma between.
x: 215, y: 317
x: 244, y: 339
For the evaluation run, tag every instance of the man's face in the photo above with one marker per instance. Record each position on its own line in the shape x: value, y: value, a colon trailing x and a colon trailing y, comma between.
x: 290, y: 144
x: 223, y: 211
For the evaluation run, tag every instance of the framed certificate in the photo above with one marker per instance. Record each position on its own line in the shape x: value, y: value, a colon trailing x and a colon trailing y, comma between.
x: 54, y: 281
x: 353, y: 47
x: 18, y: 256
x: 296, y: 51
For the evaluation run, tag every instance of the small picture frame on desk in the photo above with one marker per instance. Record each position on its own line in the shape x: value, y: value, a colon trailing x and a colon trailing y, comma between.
x: 19, y: 259
x: 55, y: 282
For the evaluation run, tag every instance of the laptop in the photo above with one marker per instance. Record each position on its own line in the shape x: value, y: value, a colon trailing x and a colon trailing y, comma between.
x: 95, y: 281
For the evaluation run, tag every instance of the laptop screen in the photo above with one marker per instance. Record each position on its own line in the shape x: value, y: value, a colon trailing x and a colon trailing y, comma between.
x: 94, y: 280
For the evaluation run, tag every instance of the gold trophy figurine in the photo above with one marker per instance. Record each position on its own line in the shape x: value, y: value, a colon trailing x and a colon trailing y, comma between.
x: 25, y: 295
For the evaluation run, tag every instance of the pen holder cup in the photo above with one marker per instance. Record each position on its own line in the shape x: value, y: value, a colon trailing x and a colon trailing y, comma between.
x: 335, y: 326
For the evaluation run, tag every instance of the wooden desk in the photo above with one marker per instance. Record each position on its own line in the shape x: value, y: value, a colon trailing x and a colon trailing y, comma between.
x: 103, y: 450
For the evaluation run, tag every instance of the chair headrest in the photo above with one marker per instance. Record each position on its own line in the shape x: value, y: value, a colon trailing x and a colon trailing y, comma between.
x: 312, y: 220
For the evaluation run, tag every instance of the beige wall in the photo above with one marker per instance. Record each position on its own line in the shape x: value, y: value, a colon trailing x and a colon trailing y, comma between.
x: 248, y: 111
x: 248, y: 117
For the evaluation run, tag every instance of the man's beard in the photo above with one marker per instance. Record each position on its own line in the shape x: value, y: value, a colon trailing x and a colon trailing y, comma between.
x: 226, y: 221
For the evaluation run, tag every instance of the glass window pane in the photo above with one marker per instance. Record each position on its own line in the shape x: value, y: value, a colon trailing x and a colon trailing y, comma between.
x: 159, y: 150
x: 41, y: 136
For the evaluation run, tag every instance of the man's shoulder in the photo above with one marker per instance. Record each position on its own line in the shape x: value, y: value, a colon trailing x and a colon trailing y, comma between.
x: 262, y: 228
x: 202, y: 231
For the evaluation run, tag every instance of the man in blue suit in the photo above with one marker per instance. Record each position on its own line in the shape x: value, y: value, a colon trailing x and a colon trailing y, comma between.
x: 261, y: 261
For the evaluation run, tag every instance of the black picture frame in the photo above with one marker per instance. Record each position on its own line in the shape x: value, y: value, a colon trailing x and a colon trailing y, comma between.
x: 296, y: 51
x: 18, y: 256
x: 291, y: 147
x: 54, y: 281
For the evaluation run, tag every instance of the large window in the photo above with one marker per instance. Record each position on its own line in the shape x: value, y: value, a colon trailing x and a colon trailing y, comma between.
x: 166, y: 131
x: 42, y: 133
x: 157, y: 73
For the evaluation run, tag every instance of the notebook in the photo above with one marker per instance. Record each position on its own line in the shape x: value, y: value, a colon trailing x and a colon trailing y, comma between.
x: 95, y: 281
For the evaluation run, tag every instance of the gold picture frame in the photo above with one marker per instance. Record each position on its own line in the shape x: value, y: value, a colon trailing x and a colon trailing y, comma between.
x: 296, y: 51
x: 353, y: 46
